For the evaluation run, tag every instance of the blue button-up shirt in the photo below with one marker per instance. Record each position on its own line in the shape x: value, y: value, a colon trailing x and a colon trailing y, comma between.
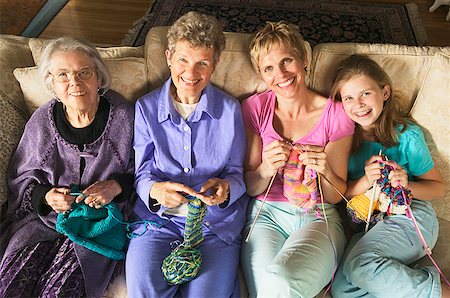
x: 209, y: 143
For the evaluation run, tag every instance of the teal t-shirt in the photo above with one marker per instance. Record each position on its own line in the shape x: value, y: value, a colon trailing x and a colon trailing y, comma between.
x: 411, y: 153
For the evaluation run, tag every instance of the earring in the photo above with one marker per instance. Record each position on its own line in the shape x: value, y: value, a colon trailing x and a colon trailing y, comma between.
x: 101, y: 92
x: 305, y: 68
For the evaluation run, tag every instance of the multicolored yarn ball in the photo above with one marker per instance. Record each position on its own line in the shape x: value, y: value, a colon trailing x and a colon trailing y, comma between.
x: 299, y: 185
x: 184, y: 262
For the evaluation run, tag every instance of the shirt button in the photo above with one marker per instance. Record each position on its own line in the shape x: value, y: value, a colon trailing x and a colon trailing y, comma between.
x: 186, y: 147
x: 186, y: 128
x: 186, y: 170
x: 207, y: 223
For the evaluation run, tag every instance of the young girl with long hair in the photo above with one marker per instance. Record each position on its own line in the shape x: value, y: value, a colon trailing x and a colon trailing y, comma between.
x: 376, y: 262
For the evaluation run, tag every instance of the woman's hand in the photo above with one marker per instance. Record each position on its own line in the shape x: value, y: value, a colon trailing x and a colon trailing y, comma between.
x: 398, y: 175
x: 275, y: 156
x: 218, y: 190
x: 171, y: 194
x: 313, y: 157
x: 372, y: 169
x: 100, y: 193
x: 59, y: 199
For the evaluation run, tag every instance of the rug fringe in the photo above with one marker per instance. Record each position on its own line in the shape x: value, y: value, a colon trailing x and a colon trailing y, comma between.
x: 416, y: 23
x: 133, y: 33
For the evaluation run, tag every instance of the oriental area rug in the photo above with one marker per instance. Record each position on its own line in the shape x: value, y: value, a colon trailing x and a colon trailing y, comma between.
x: 318, y: 21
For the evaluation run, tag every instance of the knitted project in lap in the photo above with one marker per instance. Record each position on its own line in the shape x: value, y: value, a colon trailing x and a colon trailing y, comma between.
x: 183, y: 263
x: 299, y: 186
x: 387, y: 199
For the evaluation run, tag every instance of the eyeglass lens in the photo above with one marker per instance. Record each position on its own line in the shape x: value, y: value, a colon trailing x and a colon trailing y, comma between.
x: 65, y: 76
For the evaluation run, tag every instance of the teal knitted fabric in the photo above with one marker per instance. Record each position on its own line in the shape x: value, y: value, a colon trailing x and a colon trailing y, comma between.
x: 183, y: 263
x: 99, y: 230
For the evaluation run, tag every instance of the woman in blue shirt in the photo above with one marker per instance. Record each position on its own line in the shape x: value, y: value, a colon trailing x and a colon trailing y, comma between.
x: 376, y: 263
x: 189, y: 140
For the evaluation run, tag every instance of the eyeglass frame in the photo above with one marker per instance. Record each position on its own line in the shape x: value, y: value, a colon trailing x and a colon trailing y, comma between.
x: 77, y: 74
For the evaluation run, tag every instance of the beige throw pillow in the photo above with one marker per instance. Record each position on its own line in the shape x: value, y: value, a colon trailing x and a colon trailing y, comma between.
x: 432, y: 111
x: 128, y: 78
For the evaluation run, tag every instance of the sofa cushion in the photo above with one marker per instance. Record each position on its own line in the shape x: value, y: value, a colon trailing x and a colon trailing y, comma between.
x: 432, y: 111
x: 128, y: 79
x: 12, y: 123
x: 234, y: 72
x: 37, y: 45
x: 406, y: 65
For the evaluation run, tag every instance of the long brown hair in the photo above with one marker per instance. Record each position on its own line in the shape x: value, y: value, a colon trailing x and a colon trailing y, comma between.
x: 395, y: 109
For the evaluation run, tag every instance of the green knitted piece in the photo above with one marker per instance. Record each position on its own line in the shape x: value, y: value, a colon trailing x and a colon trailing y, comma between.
x: 183, y: 263
x: 99, y: 230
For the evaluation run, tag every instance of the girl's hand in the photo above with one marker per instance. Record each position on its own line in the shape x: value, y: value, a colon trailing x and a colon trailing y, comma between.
x: 275, y: 156
x: 218, y: 189
x: 372, y: 169
x: 398, y: 175
x: 171, y: 194
x: 313, y: 157
x: 100, y: 193
x: 59, y: 199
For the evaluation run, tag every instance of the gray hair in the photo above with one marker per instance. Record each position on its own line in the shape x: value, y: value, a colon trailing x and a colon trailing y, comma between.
x: 200, y: 30
x: 70, y: 45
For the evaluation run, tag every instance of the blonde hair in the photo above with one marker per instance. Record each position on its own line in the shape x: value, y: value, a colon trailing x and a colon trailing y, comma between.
x: 70, y: 45
x: 200, y: 30
x: 275, y: 34
x: 395, y: 108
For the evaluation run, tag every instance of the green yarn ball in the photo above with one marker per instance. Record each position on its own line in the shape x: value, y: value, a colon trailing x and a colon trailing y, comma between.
x: 182, y: 265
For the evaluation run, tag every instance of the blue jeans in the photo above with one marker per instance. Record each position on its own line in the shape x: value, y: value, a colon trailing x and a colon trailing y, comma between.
x: 376, y: 263
x: 290, y: 253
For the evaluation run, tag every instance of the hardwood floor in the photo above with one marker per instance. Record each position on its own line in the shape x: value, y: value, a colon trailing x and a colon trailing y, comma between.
x: 105, y: 22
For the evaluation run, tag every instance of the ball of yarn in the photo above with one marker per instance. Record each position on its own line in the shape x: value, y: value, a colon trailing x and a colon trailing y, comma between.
x: 182, y: 265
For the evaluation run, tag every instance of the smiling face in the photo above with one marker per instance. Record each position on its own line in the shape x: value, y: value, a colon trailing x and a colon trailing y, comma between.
x: 76, y: 94
x: 283, y: 72
x: 191, y: 69
x: 363, y: 100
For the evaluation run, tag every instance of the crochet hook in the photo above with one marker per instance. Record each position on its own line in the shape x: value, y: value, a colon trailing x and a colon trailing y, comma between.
x: 372, y: 199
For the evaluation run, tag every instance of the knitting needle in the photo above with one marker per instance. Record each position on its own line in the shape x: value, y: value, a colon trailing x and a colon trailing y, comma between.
x: 372, y: 198
x: 260, y: 207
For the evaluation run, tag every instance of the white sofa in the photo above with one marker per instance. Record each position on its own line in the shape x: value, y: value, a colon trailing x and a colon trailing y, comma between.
x: 422, y: 73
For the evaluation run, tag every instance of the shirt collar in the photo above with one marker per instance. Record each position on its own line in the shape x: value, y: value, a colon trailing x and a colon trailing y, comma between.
x: 207, y: 104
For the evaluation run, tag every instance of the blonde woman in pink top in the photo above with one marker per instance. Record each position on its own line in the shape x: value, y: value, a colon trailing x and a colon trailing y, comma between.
x: 294, y: 134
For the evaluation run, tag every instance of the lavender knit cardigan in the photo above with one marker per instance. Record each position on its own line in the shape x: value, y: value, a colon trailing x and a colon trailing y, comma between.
x: 44, y: 157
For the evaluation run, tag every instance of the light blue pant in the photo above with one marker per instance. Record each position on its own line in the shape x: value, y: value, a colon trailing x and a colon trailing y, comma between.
x: 376, y: 263
x: 216, y: 278
x: 290, y: 253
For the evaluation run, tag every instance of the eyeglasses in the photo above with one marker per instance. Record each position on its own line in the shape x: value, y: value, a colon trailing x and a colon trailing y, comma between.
x: 63, y: 76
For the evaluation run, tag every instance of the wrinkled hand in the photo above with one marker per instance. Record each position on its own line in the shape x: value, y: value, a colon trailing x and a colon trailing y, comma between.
x: 58, y: 199
x: 313, y: 157
x: 218, y: 190
x: 170, y: 194
x: 275, y: 156
x: 100, y: 193
x: 398, y: 175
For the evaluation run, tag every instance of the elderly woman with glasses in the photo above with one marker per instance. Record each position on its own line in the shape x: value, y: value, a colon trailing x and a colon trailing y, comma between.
x: 76, y: 149
x: 190, y: 145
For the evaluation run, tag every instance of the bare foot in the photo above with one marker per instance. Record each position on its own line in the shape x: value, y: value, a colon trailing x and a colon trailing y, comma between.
x: 445, y: 290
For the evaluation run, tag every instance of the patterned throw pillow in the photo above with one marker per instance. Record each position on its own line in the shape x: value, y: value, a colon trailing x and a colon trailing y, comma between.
x: 12, y: 123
